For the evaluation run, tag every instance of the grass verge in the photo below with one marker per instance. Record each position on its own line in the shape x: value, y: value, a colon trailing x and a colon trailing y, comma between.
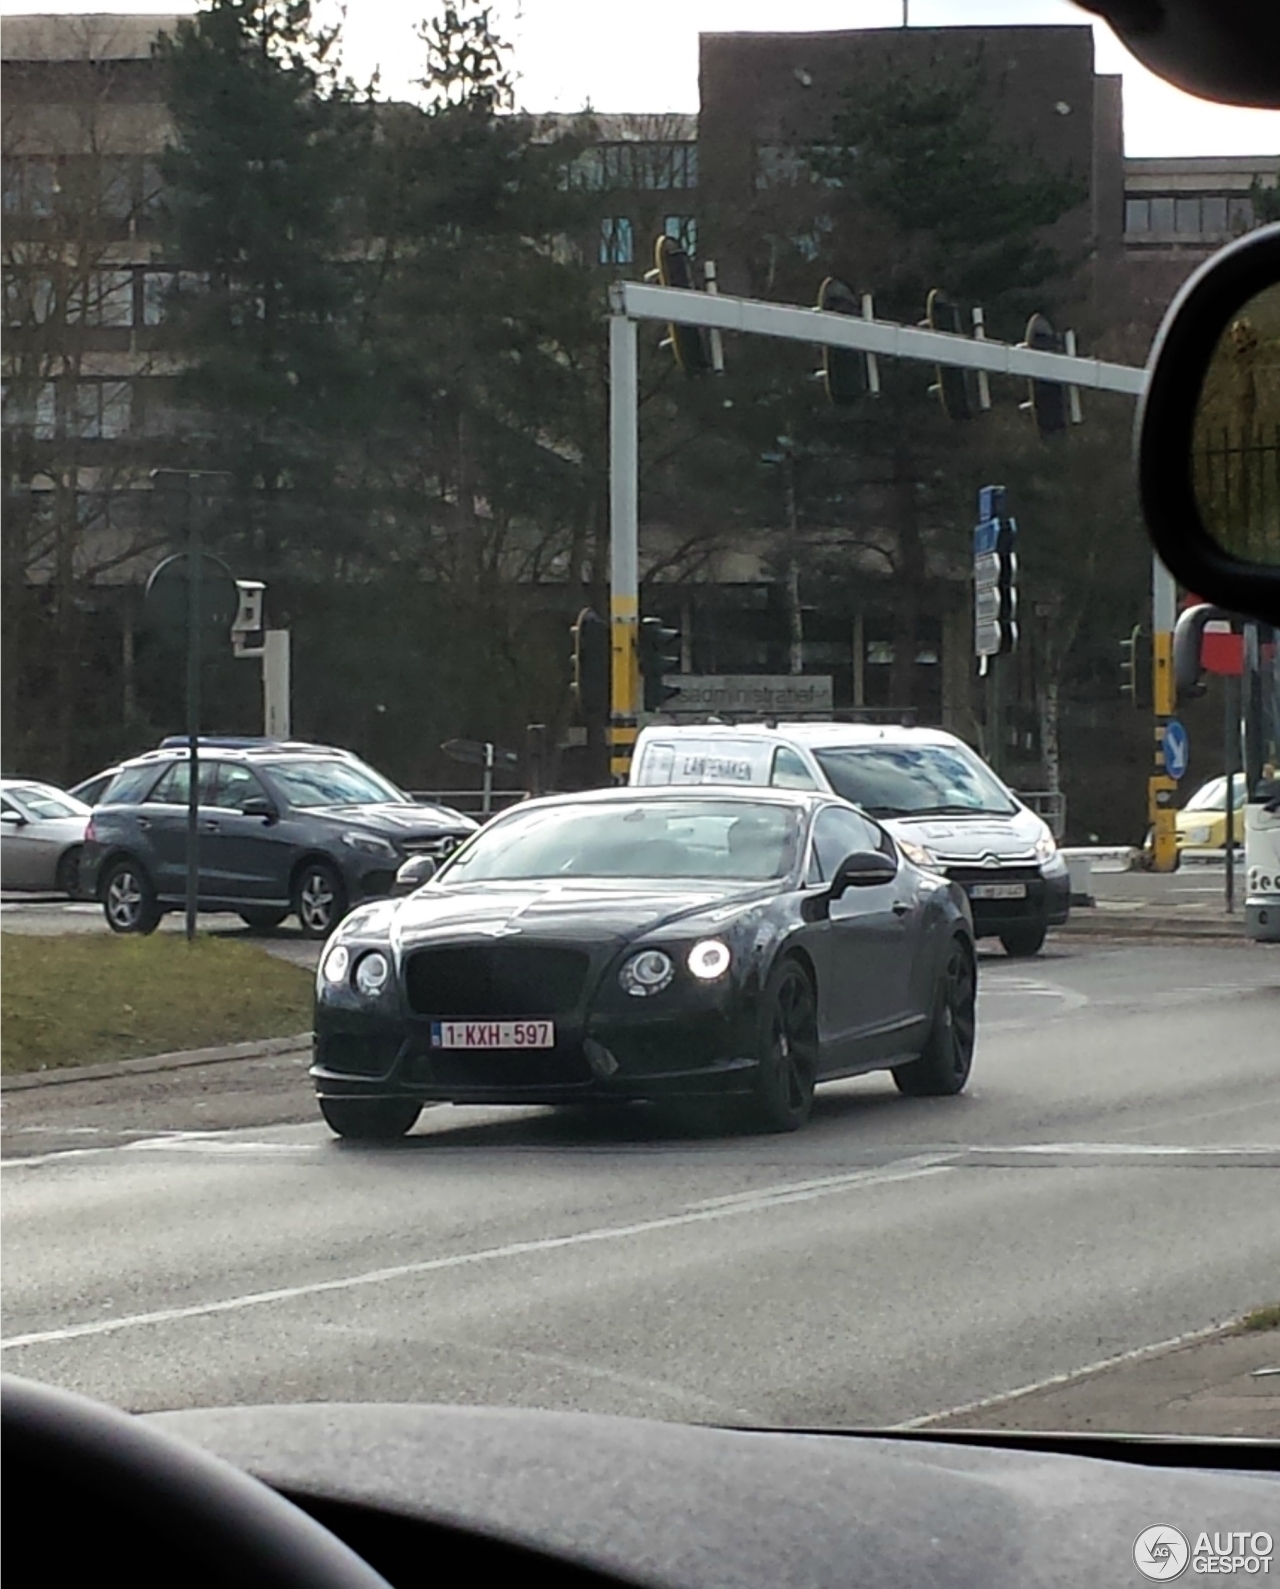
x: 1267, y: 1318
x: 81, y: 999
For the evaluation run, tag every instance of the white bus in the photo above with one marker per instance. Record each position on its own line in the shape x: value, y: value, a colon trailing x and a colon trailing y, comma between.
x: 1260, y: 726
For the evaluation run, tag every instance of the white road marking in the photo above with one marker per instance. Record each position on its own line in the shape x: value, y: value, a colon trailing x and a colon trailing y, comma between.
x: 798, y: 1192
x: 1056, y: 1380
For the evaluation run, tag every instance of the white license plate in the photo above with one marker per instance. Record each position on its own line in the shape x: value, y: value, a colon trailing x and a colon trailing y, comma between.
x: 493, y: 1034
x: 998, y: 891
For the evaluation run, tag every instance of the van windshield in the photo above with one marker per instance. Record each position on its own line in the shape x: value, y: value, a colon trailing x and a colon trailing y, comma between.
x: 915, y: 780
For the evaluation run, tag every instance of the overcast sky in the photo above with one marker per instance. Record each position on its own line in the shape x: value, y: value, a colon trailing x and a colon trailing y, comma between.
x: 642, y: 55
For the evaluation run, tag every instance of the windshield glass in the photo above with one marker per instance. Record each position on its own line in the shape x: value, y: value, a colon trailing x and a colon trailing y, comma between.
x: 972, y: 1080
x: 333, y: 783
x: 733, y: 840
x: 39, y: 802
x: 1213, y: 796
x: 914, y: 780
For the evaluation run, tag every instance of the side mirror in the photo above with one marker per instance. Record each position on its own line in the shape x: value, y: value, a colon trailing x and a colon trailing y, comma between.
x: 260, y: 806
x: 413, y: 873
x: 863, y: 869
x: 13, y: 819
x: 1207, y: 430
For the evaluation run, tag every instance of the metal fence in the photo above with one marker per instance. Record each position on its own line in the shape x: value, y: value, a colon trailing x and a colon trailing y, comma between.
x: 1048, y: 804
x: 1237, y: 487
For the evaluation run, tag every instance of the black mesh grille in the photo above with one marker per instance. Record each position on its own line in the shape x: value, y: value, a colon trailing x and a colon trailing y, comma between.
x: 994, y: 874
x: 495, y: 980
x: 350, y: 1054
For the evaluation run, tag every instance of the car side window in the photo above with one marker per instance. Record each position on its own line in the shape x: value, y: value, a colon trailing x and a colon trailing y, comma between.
x: 789, y: 770
x: 837, y: 833
x: 173, y: 789
x: 236, y: 784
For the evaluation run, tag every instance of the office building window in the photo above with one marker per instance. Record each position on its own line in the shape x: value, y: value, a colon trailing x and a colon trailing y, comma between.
x: 29, y: 187
x: 1186, y: 217
x: 1162, y: 211
x: 1213, y: 214
x: 683, y: 230
x: 1137, y: 215
x: 99, y: 410
x: 617, y: 242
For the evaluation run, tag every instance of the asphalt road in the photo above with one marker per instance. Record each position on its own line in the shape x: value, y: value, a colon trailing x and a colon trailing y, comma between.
x: 1108, y: 1181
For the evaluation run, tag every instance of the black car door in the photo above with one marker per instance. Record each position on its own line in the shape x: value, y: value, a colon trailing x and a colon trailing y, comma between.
x: 867, y: 952
x: 248, y: 856
x: 161, y: 821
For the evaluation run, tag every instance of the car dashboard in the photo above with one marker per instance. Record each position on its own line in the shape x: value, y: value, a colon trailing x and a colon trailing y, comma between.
x: 602, y: 1500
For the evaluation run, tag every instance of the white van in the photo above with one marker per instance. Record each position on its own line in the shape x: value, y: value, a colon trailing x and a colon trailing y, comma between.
x: 939, y: 799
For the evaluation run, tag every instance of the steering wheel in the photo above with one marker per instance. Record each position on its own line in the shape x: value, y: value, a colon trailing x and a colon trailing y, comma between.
x: 76, y: 1469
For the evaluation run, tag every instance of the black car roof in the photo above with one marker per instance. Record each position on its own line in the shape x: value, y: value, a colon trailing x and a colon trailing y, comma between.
x: 802, y: 799
x: 241, y: 750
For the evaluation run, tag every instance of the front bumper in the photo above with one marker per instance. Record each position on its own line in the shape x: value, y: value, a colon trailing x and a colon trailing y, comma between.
x: 692, y: 1049
x: 1046, y: 902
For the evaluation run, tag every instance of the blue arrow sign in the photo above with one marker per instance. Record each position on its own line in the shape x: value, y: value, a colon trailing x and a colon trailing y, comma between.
x: 1175, y: 747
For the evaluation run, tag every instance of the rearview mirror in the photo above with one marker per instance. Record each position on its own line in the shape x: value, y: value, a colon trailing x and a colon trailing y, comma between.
x: 413, y: 873
x: 1208, y: 430
x: 260, y: 806
x: 863, y: 869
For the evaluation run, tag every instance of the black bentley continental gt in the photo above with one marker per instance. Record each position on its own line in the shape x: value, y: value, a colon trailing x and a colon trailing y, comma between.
x: 647, y: 944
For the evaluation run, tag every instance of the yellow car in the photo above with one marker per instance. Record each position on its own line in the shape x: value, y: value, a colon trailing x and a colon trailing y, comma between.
x: 1202, y: 822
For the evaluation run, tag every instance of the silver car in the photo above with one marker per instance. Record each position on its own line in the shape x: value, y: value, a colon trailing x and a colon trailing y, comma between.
x: 43, y: 836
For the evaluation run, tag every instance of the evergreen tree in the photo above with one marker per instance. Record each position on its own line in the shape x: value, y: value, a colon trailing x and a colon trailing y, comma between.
x: 269, y: 153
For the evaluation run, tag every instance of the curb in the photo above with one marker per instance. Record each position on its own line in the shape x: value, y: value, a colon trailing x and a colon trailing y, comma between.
x: 148, y: 1063
x: 1149, y: 924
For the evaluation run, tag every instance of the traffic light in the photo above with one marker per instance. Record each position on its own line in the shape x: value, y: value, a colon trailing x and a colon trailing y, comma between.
x: 659, y: 655
x: 1047, y: 402
x: 674, y: 268
x: 1136, y: 668
x: 591, y: 663
x: 952, y: 384
x: 843, y: 372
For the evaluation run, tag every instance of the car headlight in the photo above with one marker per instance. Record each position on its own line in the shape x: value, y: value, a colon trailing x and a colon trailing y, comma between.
x: 371, y: 844
x: 709, y: 959
x: 1046, y: 847
x: 336, y: 963
x: 647, y: 972
x: 918, y: 854
x: 372, y: 971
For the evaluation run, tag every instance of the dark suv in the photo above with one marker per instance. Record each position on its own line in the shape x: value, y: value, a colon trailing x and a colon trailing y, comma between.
x: 282, y: 828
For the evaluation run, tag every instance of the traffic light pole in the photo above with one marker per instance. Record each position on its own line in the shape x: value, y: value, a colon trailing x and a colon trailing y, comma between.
x: 632, y: 301
x: 1160, y: 787
x: 624, y: 532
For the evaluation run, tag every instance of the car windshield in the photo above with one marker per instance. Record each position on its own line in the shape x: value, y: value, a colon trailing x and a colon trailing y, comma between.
x: 914, y: 780
x: 664, y: 841
x: 41, y: 803
x: 1213, y: 796
x: 769, y: 955
x: 333, y: 782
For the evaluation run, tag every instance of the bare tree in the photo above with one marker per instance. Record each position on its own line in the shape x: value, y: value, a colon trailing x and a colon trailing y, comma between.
x: 78, y: 191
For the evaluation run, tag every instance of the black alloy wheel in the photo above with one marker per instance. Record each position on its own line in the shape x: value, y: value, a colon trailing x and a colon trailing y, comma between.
x: 944, y: 1065
x: 370, y: 1119
x: 787, y: 1072
x: 1021, y: 943
x: 319, y: 899
x: 128, y: 898
x: 262, y: 919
